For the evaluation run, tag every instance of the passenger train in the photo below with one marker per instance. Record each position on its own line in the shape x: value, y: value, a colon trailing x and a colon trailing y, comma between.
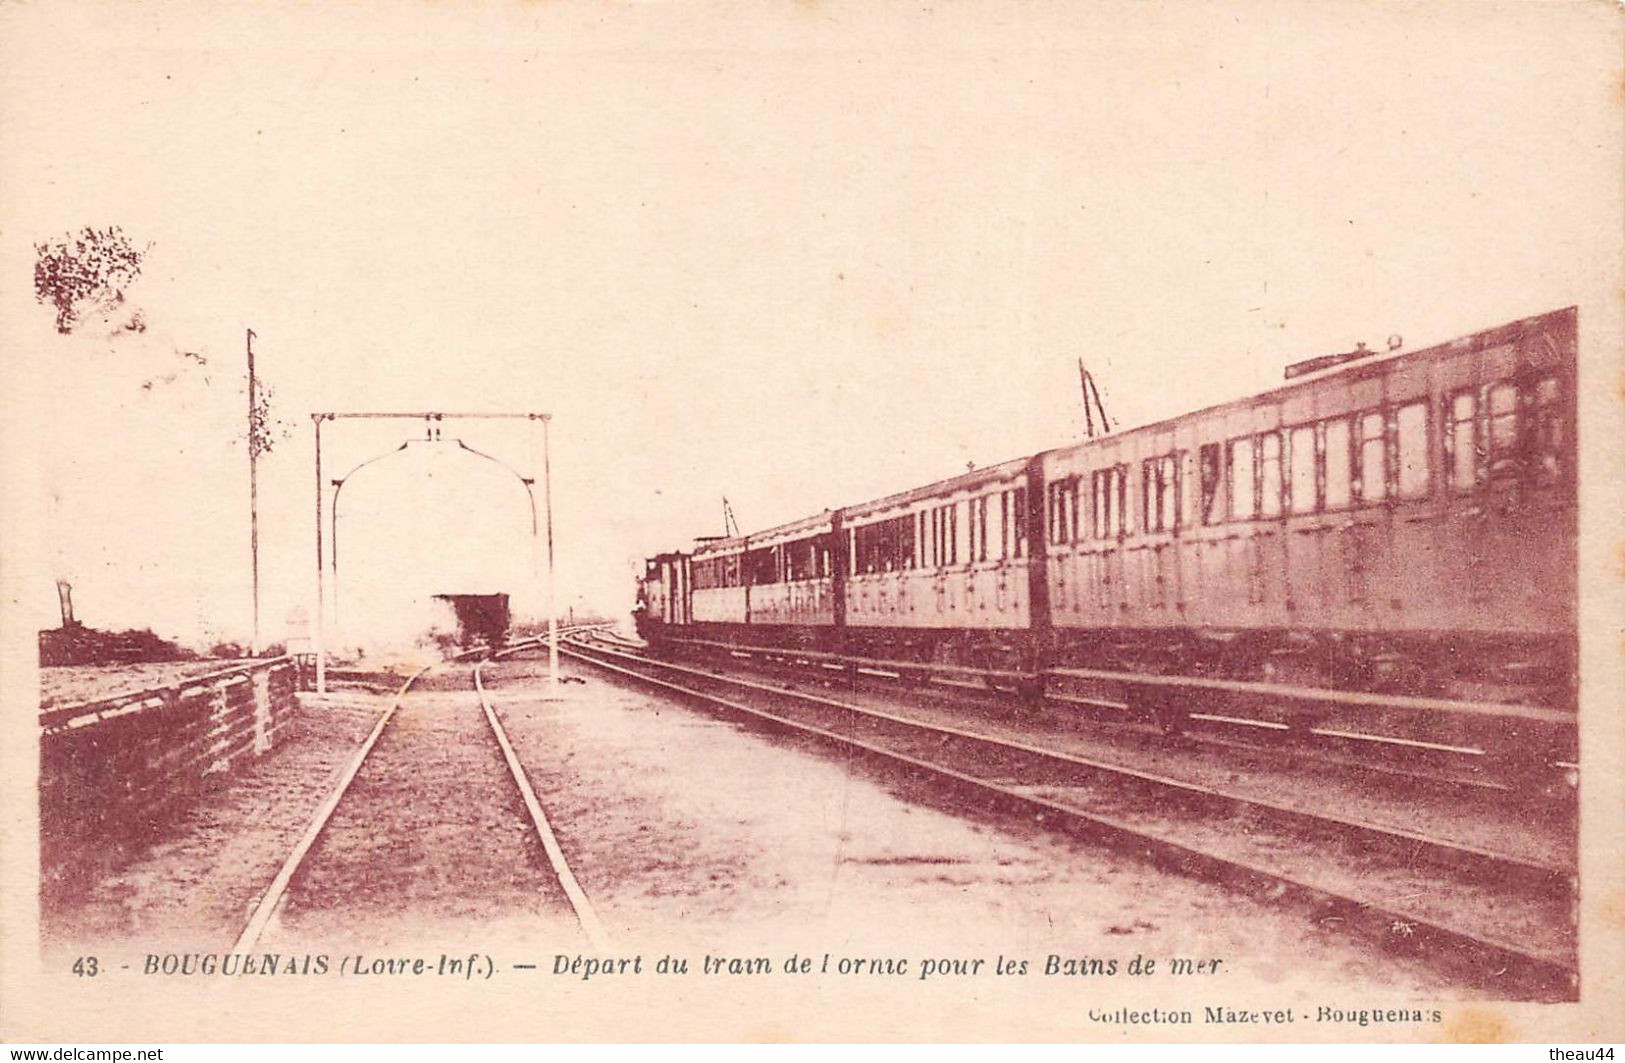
x: 1401, y: 522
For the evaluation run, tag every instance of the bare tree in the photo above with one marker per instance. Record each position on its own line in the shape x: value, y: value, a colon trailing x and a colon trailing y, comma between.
x: 89, y: 270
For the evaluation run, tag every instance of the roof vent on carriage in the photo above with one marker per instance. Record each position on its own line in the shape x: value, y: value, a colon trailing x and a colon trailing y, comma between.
x: 1327, y: 361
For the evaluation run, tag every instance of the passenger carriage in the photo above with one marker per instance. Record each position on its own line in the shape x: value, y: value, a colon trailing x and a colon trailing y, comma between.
x: 1406, y: 522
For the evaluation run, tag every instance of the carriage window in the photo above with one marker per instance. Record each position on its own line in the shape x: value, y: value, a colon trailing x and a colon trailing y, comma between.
x: 800, y: 559
x: 1064, y: 510
x: 1148, y: 493
x: 1108, y: 491
x: 1209, y: 459
x: 1373, y: 483
x: 997, y: 518
x: 1125, y: 515
x: 976, y: 530
x: 1004, y: 522
x: 1059, y: 521
x: 1336, y: 446
x: 1548, y: 417
x: 1243, y: 496
x: 759, y: 567
x: 1503, y: 428
x: 885, y: 546
x: 1269, y: 474
x: 1302, y: 455
x: 980, y: 507
x: 1461, y: 440
x: 1119, y: 483
x: 1411, y: 433
x: 1170, y: 490
x: 1159, y: 492
x: 1018, y: 522
x: 1503, y: 418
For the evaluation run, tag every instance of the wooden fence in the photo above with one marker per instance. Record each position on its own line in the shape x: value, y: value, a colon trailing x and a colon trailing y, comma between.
x: 113, y: 772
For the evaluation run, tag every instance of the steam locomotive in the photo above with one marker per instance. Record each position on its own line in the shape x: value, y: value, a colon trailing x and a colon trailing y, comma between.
x: 1401, y: 522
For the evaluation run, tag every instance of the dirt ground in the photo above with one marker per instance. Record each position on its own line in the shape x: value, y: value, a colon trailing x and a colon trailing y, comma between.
x: 197, y: 885
x: 692, y: 832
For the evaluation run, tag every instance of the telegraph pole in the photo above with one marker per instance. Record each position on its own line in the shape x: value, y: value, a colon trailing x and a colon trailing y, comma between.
x: 254, y: 431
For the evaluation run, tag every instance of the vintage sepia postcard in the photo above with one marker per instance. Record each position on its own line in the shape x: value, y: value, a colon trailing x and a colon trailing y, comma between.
x: 816, y: 521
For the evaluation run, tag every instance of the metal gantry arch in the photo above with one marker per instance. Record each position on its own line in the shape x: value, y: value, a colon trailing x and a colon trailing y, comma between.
x: 433, y: 420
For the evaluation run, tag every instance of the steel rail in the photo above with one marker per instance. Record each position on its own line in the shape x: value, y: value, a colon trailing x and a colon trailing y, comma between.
x: 579, y: 902
x: 265, y: 909
x: 272, y: 897
x: 1548, y: 975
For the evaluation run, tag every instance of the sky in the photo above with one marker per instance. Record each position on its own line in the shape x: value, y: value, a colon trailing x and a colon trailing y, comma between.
x: 796, y: 255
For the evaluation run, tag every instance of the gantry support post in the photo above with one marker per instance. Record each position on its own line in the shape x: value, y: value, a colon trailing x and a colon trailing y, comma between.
x: 321, y: 589
x: 552, y: 600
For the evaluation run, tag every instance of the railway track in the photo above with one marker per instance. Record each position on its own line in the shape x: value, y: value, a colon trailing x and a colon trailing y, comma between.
x: 1502, y: 920
x: 1475, y: 802
x: 1501, y: 750
x: 298, y: 861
